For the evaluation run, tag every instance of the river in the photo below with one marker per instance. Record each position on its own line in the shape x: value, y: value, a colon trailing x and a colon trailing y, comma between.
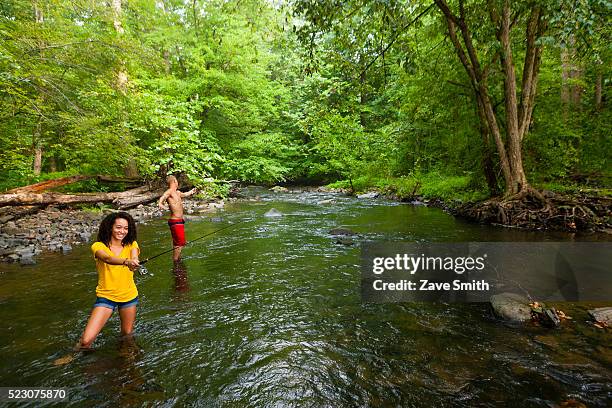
x: 268, y: 313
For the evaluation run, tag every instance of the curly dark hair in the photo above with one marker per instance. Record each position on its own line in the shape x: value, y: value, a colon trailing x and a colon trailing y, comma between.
x: 106, y: 228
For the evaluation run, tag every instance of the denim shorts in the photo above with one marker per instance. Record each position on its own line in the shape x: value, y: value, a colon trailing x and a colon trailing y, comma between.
x: 104, y: 302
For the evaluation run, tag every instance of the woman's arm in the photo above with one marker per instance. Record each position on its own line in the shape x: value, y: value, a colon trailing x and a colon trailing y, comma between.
x: 115, y: 260
x: 135, y: 253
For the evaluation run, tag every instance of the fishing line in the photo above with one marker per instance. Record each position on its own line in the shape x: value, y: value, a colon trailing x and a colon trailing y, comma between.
x: 143, y: 270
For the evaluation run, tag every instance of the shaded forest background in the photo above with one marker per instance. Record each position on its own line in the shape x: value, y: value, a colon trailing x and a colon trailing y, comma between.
x: 357, y: 93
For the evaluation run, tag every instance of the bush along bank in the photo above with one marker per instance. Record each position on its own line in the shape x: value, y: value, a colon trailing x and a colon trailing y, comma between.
x: 587, y: 210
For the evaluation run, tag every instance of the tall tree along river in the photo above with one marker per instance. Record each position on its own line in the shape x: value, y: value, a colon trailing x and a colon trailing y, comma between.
x: 268, y: 313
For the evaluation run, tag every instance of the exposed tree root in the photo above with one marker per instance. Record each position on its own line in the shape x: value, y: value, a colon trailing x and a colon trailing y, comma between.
x: 534, y: 209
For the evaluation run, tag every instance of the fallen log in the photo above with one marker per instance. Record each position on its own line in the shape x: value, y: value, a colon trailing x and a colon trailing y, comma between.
x: 48, y: 184
x: 19, y: 199
x: 62, y: 181
x: 134, y: 200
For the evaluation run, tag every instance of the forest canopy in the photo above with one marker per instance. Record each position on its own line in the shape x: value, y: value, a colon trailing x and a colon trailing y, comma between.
x: 461, y: 99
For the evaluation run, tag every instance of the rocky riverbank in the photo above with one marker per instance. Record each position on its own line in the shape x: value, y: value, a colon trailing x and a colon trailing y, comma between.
x: 53, y: 229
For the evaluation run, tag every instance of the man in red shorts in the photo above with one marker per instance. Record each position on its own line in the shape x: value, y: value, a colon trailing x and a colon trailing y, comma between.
x: 176, y: 222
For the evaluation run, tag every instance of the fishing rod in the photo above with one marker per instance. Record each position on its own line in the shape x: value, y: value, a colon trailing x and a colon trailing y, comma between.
x: 194, y: 240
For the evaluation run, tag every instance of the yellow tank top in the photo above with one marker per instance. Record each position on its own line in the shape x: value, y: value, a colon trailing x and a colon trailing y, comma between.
x: 115, y: 282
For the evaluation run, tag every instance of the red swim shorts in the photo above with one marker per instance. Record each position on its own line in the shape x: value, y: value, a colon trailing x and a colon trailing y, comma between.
x: 177, y: 228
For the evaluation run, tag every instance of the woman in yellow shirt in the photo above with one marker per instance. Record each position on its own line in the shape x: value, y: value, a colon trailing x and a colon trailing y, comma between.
x: 116, y: 253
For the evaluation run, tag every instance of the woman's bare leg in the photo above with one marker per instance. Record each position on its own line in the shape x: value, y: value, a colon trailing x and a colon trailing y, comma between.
x: 97, y: 320
x: 128, y: 316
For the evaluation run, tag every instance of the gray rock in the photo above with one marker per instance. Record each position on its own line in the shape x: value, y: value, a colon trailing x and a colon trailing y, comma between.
x: 25, y: 252
x: 511, y: 307
x: 27, y: 260
x: 372, y: 194
x: 345, y: 241
x: 325, y: 202
x: 341, y: 231
x: 602, y: 315
x: 16, y: 231
x: 66, y: 248
x: 273, y: 213
x: 84, y: 236
x: 7, y: 251
x: 279, y: 189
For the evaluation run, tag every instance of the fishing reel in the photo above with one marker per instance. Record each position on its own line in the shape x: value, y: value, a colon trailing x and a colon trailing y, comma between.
x: 143, y: 271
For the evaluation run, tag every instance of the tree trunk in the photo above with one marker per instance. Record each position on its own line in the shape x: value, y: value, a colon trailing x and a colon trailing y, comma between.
x: 167, y: 62
x: 571, y: 91
x: 362, y: 93
x: 487, y: 154
x: 565, y: 75
x: 518, y: 114
x: 131, y: 170
x: 37, y: 134
x: 122, y: 76
x: 37, y: 149
x: 116, y: 5
x: 165, y: 52
x: 62, y: 181
x: 46, y: 185
x: 598, y: 89
x: 519, y: 181
x: 134, y: 200
x: 52, y: 164
x: 59, y: 198
x: 577, y: 89
x: 195, y: 18
x: 575, y: 74
x: 37, y: 163
x: 38, y: 14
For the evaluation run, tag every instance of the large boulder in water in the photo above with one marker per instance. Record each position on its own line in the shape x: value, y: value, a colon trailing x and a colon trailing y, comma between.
x: 273, y: 213
x: 602, y: 315
x: 345, y: 241
x: 511, y: 307
x: 341, y: 231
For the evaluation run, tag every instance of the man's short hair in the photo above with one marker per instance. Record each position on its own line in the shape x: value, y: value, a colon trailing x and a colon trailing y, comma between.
x: 171, y: 179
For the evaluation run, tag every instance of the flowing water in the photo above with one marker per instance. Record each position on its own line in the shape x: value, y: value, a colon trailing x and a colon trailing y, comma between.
x: 268, y: 313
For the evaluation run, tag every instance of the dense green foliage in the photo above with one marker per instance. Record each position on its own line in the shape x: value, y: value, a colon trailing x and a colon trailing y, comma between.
x: 370, y: 92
